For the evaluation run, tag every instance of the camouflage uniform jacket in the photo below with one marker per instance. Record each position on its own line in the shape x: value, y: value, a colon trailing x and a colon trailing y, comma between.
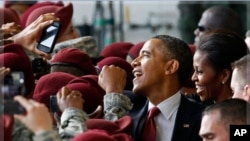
x: 72, y: 123
x: 116, y: 106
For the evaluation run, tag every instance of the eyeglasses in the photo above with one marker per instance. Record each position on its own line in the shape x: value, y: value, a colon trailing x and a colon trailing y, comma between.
x: 202, y: 28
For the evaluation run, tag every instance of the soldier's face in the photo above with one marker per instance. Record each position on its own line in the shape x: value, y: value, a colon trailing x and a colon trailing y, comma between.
x: 69, y: 33
x: 212, y: 129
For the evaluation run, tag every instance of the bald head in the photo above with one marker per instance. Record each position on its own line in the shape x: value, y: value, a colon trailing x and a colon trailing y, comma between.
x: 224, y: 18
x: 218, y: 117
x: 219, y: 17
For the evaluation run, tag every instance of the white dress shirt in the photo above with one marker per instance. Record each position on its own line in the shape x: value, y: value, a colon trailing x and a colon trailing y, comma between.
x: 165, y: 121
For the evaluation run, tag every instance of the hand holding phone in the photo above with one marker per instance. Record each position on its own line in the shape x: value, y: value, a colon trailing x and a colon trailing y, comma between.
x: 49, y: 37
x: 69, y: 98
x: 37, y: 117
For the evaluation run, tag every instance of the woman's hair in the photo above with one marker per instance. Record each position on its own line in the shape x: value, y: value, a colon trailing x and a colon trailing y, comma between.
x: 222, y: 48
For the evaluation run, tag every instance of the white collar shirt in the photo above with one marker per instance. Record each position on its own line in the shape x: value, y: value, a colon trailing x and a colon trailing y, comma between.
x: 165, y: 121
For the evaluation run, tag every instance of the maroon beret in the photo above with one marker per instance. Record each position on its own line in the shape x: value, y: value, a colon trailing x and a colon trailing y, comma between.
x: 122, y: 125
x: 135, y: 50
x: 92, y: 93
x: 74, y: 57
x: 101, y: 135
x: 192, y: 47
x: 8, y: 122
x: 8, y: 15
x: 50, y: 84
x: 14, y: 57
x: 63, y: 12
x: 118, y: 49
x: 103, y: 130
x: 93, y: 135
x: 117, y: 61
x: 27, y: 13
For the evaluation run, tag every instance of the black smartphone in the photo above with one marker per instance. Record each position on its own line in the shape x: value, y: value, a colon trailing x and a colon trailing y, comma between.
x: 40, y: 67
x: 13, y: 84
x: 49, y: 37
x: 53, y: 104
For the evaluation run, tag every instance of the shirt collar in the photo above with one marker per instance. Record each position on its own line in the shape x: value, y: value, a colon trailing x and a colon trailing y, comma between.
x: 169, y: 105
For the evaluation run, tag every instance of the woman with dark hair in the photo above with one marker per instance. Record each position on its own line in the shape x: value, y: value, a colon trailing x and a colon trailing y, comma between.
x: 212, y: 64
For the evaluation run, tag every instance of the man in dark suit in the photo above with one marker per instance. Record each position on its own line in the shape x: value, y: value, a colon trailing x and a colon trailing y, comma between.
x: 160, y: 70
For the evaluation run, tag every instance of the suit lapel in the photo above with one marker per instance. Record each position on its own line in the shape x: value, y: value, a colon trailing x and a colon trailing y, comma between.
x: 182, y: 122
x: 187, y: 121
x: 138, y: 122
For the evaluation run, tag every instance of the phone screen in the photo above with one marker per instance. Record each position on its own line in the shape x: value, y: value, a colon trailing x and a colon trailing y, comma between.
x: 49, y: 36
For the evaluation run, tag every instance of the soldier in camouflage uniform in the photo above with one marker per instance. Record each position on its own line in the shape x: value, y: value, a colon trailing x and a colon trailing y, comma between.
x: 72, y: 121
x: 87, y: 44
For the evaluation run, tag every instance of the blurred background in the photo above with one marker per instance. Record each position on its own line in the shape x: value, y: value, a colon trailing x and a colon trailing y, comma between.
x: 138, y: 20
x: 132, y: 21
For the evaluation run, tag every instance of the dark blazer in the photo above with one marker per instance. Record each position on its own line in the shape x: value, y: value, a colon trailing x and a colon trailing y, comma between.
x: 187, y: 123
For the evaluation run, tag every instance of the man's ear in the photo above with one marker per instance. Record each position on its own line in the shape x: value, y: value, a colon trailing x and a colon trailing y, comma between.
x: 171, y: 66
x: 246, y: 92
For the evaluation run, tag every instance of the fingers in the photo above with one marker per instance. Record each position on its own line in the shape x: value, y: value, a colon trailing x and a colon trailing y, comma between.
x: 28, y: 104
x: 65, y: 92
x: 43, y: 21
x: 112, y: 70
x: 11, y: 28
x: 24, y: 102
x: 42, y: 54
x: 33, y: 119
x: 75, y: 94
x: 112, y: 79
x: 111, y: 67
x: 69, y: 98
x: 46, y: 17
x: 39, y: 27
x: 34, y: 103
x: 59, y: 95
x: 19, y: 117
x: 3, y: 72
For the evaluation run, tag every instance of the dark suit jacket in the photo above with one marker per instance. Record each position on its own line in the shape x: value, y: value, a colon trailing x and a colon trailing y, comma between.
x: 187, y: 123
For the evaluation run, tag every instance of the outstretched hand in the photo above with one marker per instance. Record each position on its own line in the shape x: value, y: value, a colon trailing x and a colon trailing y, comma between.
x: 29, y: 36
x: 37, y: 117
x: 10, y: 29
